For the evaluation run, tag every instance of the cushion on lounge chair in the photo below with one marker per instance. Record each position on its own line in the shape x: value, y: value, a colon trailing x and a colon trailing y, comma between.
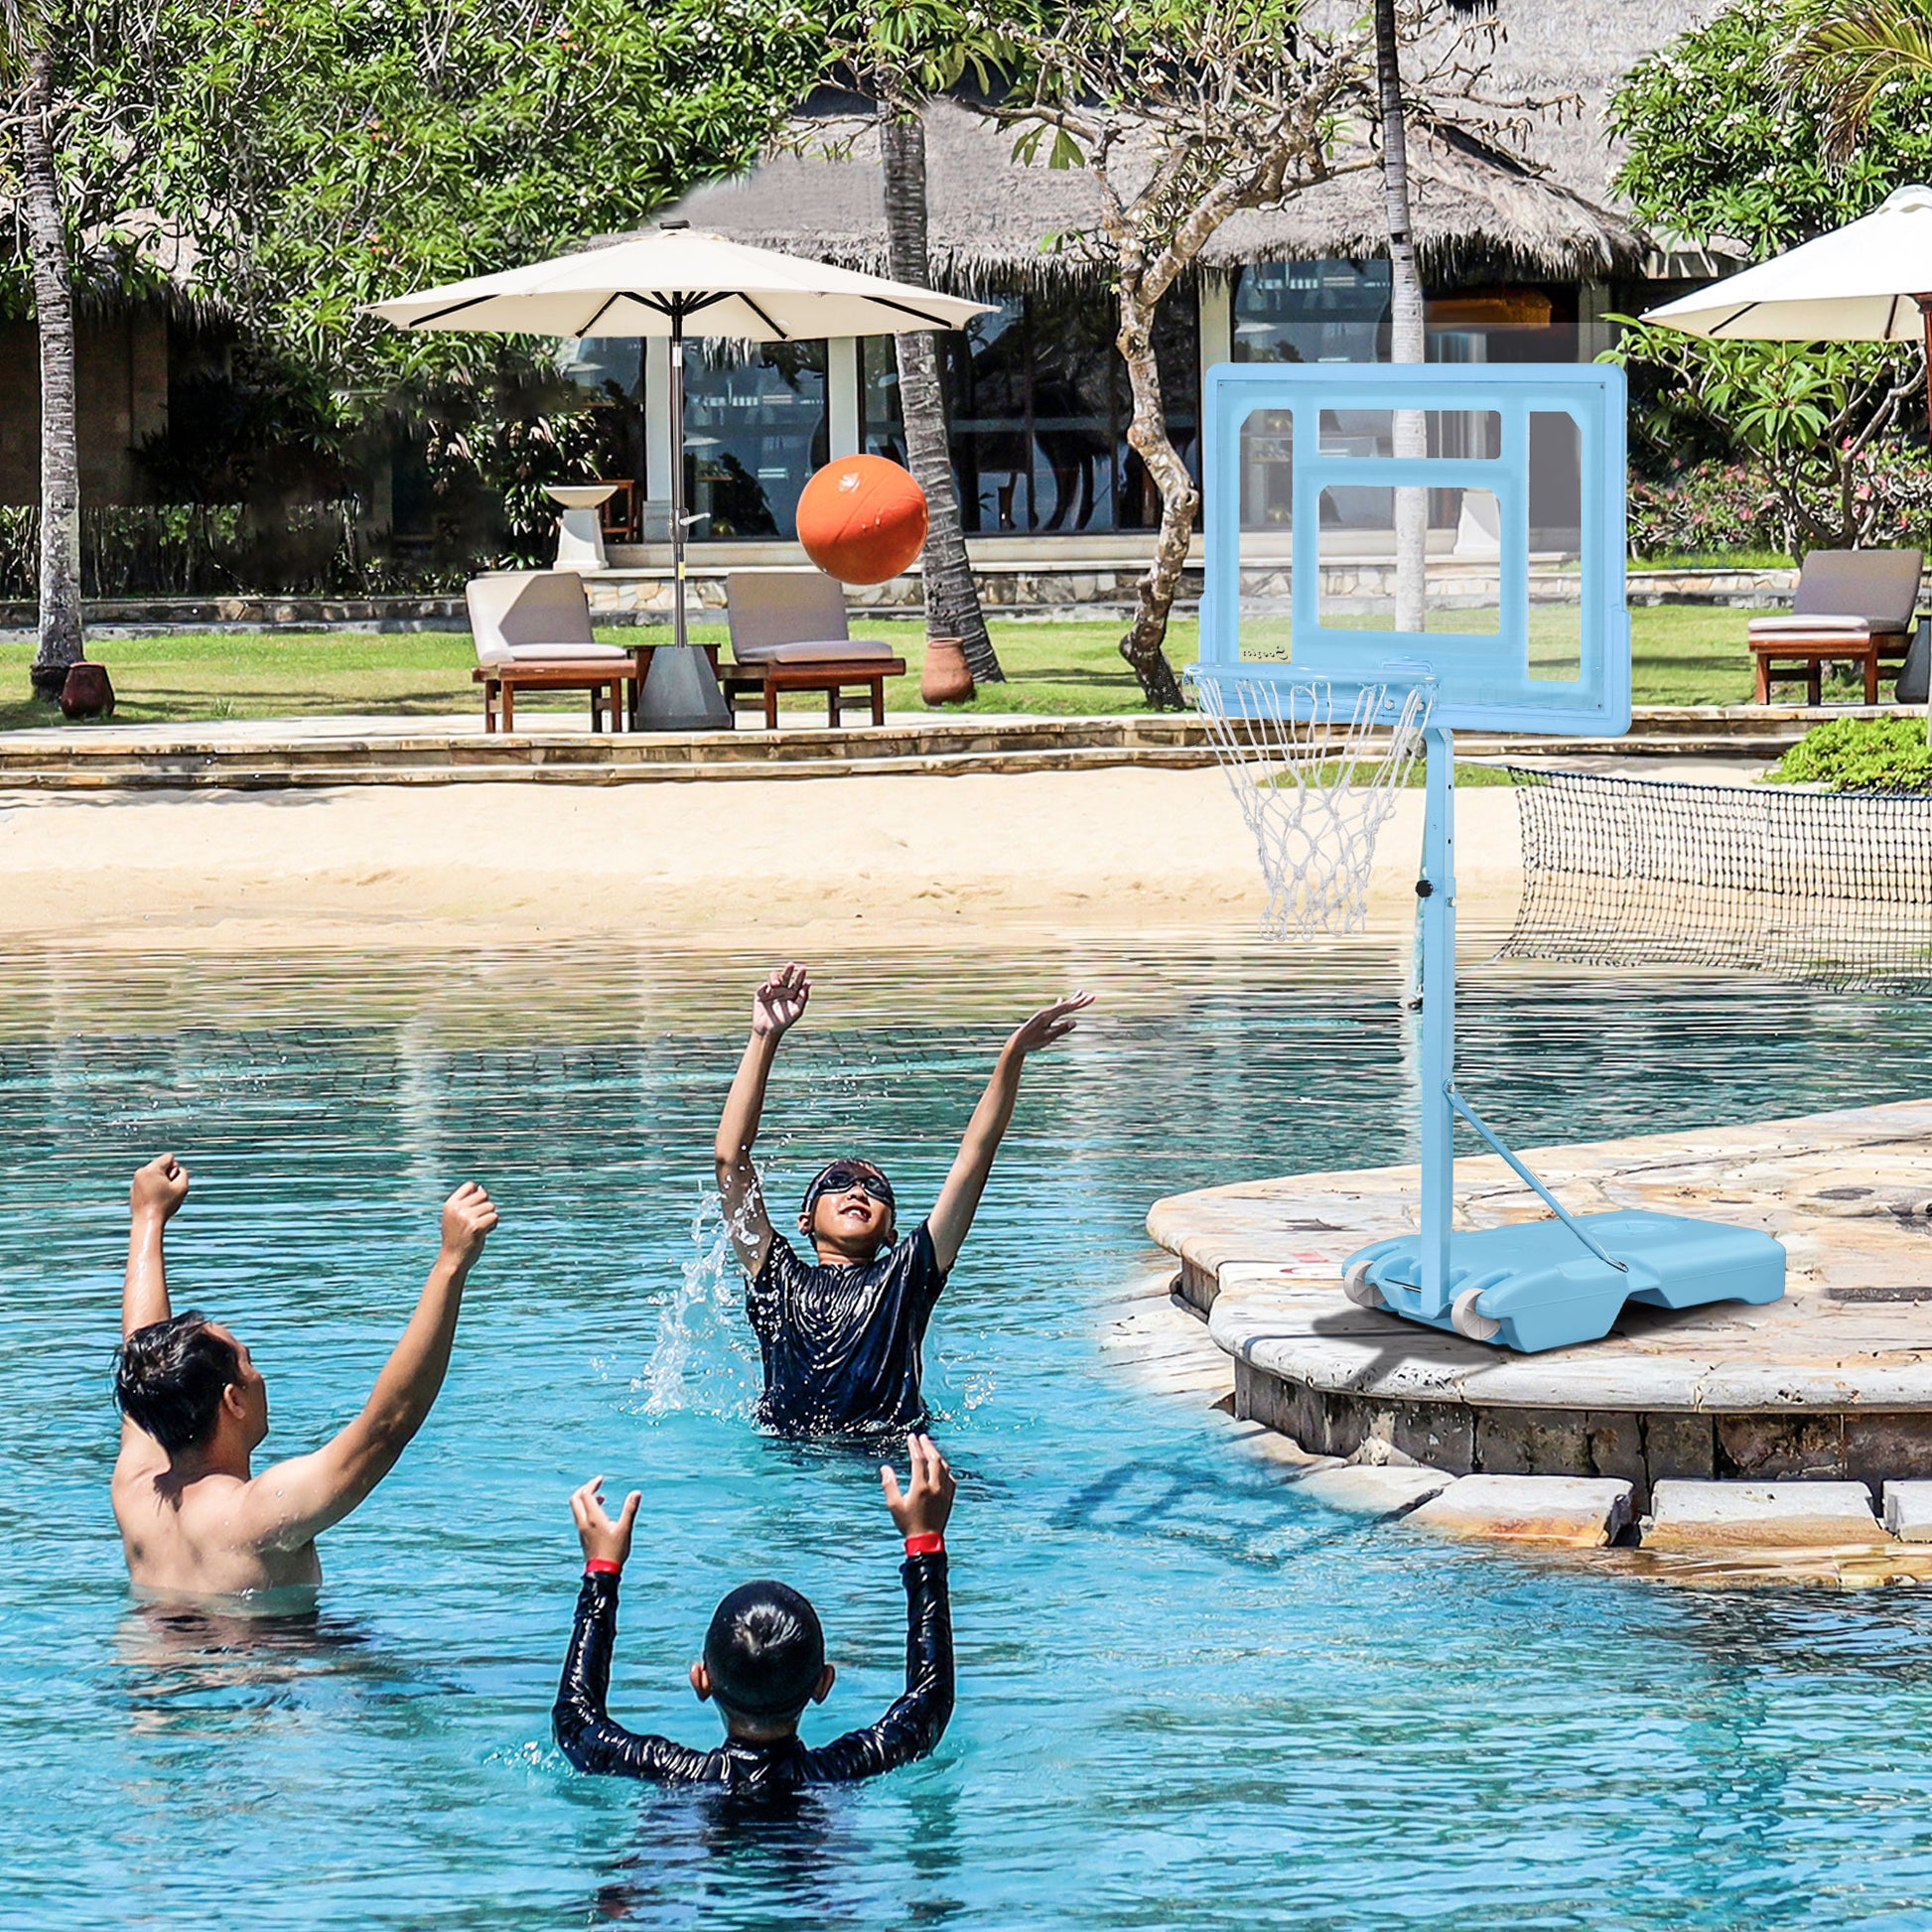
x: 769, y: 610
x: 1881, y: 586
x: 540, y: 611
x: 565, y: 654
x: 850, y: 651
x: 1855, y: 629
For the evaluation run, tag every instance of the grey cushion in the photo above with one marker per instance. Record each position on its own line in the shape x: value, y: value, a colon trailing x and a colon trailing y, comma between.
x: 524, y: 609
x: 1855, y: 629
x: 565, y: 654
x: 845, y: 650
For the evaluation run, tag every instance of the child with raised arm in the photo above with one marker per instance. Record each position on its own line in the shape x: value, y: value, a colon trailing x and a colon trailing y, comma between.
x: 840, y: 1335
x: 764, y: 1660
x: 194, y: 1518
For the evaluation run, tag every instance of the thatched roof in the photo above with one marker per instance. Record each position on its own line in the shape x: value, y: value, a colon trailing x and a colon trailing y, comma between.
x: 992, y: 219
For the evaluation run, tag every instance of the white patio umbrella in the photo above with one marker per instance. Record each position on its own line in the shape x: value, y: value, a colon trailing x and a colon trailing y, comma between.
x: 1869, y: 281
x: 677, y: 281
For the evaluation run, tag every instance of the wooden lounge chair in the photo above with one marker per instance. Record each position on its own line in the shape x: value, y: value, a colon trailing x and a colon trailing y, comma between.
x: 1851, y: 607
x: 533, y: 634
x: 788, y: 633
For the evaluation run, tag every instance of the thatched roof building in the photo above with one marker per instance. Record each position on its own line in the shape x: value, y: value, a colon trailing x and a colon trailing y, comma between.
x: 992, y: 219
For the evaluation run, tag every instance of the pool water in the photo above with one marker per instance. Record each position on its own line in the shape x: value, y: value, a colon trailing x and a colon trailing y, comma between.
x: 1187, y: 1697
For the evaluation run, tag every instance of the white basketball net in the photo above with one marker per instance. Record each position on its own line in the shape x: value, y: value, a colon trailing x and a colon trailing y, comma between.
x: 1316, y: 778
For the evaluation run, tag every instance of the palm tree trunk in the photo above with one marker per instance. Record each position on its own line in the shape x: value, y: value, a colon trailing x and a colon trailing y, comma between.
x: 1179, y: 499
x: 1407, y: 341
x: 60, y: 639
x: 952, y: 599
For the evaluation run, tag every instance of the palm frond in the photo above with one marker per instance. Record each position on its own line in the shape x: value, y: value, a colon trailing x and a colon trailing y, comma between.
x: 1844, y: 63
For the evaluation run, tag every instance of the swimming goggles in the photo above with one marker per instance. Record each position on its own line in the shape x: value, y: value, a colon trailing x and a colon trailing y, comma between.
x: 842, y: 1177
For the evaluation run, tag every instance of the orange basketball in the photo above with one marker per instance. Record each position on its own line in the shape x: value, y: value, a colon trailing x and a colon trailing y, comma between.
x: 861, y: 520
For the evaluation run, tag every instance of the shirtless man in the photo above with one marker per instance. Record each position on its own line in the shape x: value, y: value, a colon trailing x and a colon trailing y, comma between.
x: 195, y: 1521
x: 841, y: 1334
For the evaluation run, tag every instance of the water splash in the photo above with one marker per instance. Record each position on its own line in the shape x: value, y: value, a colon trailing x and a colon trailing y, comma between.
x: 705, y: 1360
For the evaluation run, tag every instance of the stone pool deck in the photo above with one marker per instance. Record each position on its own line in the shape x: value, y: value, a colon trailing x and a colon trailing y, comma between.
x: 1726, y: 1423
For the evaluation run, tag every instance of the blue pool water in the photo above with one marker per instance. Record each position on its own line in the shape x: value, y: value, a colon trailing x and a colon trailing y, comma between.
x: 1189, y: 1699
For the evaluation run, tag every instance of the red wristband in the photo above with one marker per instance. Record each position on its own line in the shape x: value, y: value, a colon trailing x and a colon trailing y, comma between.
x: 930, y: 1543
x: 603, y: 1567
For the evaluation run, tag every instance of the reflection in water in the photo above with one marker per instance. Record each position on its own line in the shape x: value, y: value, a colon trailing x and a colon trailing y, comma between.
x: 804, y: 1857
x: 191, y: 1666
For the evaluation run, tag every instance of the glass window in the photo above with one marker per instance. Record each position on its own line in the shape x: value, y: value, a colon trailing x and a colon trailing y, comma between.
x: 1038, y: 404
x: 1311, y: 312
x: 755, y: 430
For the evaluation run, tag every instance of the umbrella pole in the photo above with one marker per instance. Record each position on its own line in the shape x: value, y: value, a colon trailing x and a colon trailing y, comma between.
x: 1925, y: 316
x: 677, y: 473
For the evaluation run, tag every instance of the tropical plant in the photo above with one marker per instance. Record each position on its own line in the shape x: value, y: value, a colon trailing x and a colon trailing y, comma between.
x: 1818, y: 423
x: 1881, y: 755
x: 1721, y: 146
x: 1846, y: 62
x: 902, y: 52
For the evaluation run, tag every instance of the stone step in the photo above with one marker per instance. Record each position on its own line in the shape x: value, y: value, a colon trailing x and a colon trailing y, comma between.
x: 1701, y: 1516
x: 1578, y: 1512
x: 1362, y: 1490
x: 256, y: 775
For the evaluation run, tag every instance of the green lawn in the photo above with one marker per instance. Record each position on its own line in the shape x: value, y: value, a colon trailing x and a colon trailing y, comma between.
x: 1683, y: 654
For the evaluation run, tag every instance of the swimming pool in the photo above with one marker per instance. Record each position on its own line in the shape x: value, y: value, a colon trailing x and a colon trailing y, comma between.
x: 1187, y: 1698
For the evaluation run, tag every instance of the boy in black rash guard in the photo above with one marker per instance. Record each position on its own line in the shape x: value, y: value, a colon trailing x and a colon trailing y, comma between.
x: 841, y: 1339
x: 765, y: 1660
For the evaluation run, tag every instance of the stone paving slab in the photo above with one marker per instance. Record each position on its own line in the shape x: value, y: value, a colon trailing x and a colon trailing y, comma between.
x: 1849, y: 1192
x: 1579, y: 1512
x: 1908, y: 1511
x: 1704, y: 1516
x: 1363, y: 1489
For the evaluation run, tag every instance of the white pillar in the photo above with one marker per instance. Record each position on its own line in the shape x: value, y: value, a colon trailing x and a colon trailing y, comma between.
x: 1216, y: 321
x: 658, y: 419
x: 843, y: 429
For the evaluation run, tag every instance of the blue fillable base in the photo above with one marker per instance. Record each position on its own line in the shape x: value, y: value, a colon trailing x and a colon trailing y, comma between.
x: 1542, y: 1288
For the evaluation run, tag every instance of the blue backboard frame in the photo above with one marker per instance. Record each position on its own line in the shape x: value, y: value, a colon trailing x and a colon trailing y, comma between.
x: 1482, y: 679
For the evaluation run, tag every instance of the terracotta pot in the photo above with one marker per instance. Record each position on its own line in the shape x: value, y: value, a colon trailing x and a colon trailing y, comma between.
x: 87, y: 691
x: 945, y: 679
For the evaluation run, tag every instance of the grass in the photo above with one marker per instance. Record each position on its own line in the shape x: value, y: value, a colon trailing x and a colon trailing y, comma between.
x: 1683, y: 654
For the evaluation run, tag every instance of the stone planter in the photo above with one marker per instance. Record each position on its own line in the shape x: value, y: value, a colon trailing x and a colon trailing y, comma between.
x: 945, y: 679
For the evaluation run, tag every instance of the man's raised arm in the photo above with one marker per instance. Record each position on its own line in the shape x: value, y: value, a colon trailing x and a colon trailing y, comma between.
x: 777, y: 1008
x: 156, y: 1191
x: 959, y: 1199
x: 293, y: 1502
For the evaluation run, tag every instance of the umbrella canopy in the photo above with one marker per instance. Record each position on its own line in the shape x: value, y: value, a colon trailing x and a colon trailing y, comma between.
x: 678, y: 281
x: 1868, y: 282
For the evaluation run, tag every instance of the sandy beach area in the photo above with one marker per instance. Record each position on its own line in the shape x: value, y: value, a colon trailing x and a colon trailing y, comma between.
x: 787, y: 865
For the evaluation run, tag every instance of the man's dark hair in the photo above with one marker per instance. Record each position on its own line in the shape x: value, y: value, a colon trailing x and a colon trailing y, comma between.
x: 170, y: 1375
x: 765, y: 1652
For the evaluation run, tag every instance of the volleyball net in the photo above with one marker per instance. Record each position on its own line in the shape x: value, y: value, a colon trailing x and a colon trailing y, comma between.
x: 1831, y: 887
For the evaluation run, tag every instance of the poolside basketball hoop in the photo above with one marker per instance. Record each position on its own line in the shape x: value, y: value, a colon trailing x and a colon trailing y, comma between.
x: 1318, y: 720
x: 1315, y: 767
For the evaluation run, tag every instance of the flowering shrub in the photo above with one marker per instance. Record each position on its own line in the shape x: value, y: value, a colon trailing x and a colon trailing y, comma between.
x: 1881, y: 495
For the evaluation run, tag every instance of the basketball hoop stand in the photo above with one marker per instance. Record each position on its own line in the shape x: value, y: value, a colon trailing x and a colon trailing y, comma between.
x: 1528, y: 1285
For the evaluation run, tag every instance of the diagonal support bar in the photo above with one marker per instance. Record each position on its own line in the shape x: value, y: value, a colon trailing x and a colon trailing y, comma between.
x: 1522, y: 1171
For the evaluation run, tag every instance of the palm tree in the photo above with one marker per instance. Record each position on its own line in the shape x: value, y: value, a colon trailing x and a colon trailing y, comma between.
x: 29, y: 73
x: 1844, y: 61
x: 952, y: 599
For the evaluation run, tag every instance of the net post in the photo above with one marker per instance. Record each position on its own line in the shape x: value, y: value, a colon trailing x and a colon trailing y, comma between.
x: 1436, y: 887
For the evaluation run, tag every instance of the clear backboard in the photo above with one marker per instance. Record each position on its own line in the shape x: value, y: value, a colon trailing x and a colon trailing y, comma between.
x: 1515, y: 515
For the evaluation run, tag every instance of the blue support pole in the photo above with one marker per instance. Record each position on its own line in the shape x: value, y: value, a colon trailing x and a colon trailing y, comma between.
x: 1436, y: 887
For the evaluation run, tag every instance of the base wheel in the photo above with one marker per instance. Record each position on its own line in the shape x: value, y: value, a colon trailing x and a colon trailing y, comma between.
x: 1466, y: 1319
x: 1357, y: 1285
